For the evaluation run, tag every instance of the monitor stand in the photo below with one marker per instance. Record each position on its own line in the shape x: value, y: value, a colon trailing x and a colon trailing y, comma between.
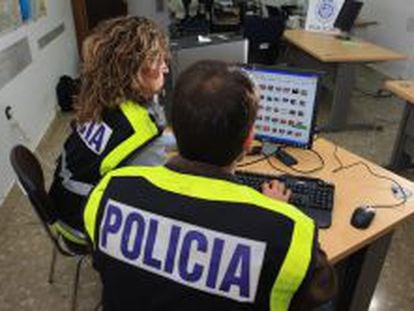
x: 279, y: 153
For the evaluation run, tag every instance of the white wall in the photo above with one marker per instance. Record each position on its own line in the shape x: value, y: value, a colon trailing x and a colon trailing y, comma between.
x: 31, y: 94
x: 395, y: 30
x: 147, y: 8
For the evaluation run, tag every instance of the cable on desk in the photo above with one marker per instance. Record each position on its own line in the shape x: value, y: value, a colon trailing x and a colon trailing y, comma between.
x: 378, y: 94
x: 268, y: 156
x: 313, y: 170
x: 335, y: 154
x: 275, y: 167
x: 253, y: 161
x: 346, y: 167
x: 297, y: 170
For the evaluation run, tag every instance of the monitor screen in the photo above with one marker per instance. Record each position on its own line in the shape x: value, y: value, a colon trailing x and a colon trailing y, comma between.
x: 348, y: 15
x: 287, y: 107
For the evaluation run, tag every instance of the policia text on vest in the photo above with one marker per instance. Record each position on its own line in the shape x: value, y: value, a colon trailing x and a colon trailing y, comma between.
x: 197, y: 234
x: 208, y: 260
x: 95, y: 148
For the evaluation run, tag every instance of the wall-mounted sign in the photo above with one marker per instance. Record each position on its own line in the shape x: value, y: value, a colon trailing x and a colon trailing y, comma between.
x: 322, y: 14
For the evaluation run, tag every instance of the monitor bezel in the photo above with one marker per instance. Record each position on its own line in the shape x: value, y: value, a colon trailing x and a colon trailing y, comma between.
x: 300, y: 72
x: 342, y: 18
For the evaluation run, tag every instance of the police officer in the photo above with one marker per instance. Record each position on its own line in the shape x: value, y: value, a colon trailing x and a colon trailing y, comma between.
x: 187, y: 236
x: 116, y: 119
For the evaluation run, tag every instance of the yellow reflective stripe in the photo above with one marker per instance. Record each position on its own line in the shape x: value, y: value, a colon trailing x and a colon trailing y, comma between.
x: 294, y: 267
x: 144, y: 130
x: 298, y: 258
x: 193, y: 186
x: 92, y: 205
x: 209, y: 189
x: 58, y: 228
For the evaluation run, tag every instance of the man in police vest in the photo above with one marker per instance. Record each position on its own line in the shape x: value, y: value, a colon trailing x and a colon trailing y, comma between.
x: 187, y: 236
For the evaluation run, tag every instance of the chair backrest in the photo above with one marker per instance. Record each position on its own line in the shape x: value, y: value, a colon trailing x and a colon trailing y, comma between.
x: 30, y: 175
x: 264, y: 36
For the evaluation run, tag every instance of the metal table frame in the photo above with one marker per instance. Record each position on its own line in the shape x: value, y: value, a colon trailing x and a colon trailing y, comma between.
x: 359, y: 273
x: 403, y: 152
x: 343, y: 85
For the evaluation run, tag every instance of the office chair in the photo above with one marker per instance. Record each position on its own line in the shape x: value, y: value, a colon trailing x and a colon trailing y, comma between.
x: 264, y: 35
x: 67, y: 241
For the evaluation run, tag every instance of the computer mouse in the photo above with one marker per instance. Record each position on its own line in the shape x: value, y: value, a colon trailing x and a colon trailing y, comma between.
x: 362, y: 217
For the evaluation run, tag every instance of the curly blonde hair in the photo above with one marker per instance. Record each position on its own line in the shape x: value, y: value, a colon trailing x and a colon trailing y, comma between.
x: 113, y: 55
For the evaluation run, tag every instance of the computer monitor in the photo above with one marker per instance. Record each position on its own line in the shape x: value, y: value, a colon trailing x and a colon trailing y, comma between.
x: 188, y: 50
x: 287, y: 107
x: 348, y: 15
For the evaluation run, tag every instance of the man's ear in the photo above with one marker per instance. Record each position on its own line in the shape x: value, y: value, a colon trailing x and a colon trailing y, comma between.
x: 249, y: 139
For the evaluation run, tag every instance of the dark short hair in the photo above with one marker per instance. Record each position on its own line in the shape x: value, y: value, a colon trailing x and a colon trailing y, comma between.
x: 214, y: 106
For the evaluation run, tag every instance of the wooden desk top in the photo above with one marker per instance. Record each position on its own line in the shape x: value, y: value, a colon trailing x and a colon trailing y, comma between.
x: 354, y: 187
x: 401, y: 88
x: 328, y: 49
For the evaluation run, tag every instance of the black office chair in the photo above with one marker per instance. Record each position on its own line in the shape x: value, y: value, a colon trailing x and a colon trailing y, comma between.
x: 65, y: 240
x: 264, y: 35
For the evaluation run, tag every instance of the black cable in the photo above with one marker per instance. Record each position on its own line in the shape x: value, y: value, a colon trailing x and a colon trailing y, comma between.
x: 379, y: 94
x: 267, y: 157
x: 253, y: 162
x: 400, y: 188
x: 335, y: 154
x: 313, y: 170
x: 275, y: 167
x: 297, y: 170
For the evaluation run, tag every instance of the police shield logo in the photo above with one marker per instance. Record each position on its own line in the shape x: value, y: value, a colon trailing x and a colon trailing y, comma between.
x: 325, y: 11
x: 207, y: 260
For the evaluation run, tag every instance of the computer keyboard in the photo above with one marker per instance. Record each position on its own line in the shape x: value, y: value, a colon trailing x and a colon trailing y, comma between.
x: 313, y: 196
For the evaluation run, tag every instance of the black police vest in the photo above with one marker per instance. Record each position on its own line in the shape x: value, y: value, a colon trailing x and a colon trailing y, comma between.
x: 170, y: 241
x: 94, y: 149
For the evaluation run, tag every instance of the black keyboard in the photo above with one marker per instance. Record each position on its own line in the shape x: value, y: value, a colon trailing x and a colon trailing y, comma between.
x: 313, y: 196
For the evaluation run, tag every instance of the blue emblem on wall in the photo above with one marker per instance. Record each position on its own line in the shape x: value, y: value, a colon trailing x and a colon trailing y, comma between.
x: 325, y: 10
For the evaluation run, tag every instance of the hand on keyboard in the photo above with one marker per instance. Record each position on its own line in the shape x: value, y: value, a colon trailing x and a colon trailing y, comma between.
x: 276, y: 190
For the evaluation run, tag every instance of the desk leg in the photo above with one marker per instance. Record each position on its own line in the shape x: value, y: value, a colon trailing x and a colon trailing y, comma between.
x: 399, y: 159
x: 341, y: 106
x: 361, y: 275
x: 343, y: 86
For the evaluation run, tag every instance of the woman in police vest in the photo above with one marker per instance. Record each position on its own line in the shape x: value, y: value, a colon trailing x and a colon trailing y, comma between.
x: 117, y: 122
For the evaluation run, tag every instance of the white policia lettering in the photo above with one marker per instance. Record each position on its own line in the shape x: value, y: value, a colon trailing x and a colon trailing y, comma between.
x: 197, y: 257
x: 95, y: 135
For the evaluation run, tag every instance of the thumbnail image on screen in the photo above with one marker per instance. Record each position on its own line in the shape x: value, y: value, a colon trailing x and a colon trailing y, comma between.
x: 287, y: 105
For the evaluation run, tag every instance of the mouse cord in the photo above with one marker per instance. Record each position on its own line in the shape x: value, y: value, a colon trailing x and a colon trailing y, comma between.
x: 400, y: 188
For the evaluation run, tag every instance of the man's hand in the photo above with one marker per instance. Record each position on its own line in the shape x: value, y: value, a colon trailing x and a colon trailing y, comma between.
x: 276, y: 190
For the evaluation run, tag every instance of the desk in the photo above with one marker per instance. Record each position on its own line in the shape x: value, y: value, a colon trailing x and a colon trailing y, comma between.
x: 403, y: 152
x: 360, y: 253
x: 339, y: 58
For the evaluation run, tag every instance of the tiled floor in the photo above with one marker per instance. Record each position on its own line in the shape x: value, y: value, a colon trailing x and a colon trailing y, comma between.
x: 25, y: 251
